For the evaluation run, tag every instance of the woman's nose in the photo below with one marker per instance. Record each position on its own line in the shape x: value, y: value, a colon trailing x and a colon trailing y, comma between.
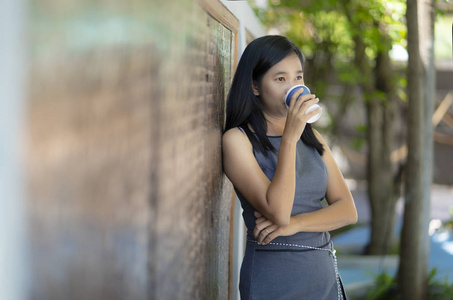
x: 289, y: 86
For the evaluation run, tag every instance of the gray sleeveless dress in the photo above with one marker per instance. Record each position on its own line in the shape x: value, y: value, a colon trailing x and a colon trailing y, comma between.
x: 290, y: 267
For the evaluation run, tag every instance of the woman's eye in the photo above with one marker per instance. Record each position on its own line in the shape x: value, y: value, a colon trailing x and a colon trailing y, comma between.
x: 281, y: 79
x: 299, y: 78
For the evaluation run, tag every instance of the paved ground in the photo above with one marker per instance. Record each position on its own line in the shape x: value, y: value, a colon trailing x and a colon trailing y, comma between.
x: 358, y: 270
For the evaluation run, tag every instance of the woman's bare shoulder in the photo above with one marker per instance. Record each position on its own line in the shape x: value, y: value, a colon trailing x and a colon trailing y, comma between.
x: 235, y: 143
x: 235, y: 135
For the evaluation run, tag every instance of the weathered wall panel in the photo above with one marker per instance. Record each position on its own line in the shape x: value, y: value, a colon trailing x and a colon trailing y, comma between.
x: 126, y: 195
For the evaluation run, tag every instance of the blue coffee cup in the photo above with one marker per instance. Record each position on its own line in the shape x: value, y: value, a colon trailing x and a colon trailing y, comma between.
x: 306, y: 91
x: 294, y: 89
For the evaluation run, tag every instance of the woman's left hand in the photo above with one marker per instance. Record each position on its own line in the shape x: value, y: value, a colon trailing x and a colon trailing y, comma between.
x: 265, y: 231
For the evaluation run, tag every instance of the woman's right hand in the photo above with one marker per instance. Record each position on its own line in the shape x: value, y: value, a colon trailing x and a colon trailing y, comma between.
x: 266, y: 231
x: 297, y: 117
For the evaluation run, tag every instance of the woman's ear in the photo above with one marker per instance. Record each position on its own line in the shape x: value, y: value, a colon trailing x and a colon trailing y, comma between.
x: 255, y: 90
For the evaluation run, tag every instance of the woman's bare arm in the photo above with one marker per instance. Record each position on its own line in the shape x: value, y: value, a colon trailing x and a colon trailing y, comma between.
x: 340, y: 212
x: 273, y: 199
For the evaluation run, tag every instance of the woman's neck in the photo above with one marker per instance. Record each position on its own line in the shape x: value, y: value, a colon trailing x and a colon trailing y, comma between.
x: 275, y: 124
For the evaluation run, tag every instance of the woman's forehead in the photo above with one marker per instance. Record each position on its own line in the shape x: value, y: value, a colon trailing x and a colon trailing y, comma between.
x: 290, y: 64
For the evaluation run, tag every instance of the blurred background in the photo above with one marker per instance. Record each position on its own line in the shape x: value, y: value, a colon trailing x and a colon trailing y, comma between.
x: 111, y: 116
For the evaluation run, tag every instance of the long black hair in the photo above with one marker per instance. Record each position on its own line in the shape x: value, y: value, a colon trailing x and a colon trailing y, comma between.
x: 243, y: 107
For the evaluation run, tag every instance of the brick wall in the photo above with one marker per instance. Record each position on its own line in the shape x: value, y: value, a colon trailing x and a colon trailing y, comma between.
x: 126, y: 195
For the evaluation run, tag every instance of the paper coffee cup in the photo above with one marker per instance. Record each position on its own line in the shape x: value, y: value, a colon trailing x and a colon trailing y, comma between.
x: 306, y: 91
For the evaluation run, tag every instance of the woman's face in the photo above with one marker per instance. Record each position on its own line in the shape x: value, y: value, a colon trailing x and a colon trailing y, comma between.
x: 276, y: 82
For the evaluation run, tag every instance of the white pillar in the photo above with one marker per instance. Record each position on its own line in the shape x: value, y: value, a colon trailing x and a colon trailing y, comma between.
x: 12, y: 98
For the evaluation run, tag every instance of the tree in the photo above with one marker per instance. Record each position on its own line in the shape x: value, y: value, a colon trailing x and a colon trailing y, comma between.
x: 379, y: 89
x: 413, y: 267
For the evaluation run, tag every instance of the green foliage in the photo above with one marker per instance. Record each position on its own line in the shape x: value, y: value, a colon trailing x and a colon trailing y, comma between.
x: 385, y: 287
x: 361, y: 129
x: 442, y: 35
x: 349, y: 74
x: 357, y: 143
x: 401, y: 88
x: 439, y: 289
x: 449, y: 224
x: 325, y: 32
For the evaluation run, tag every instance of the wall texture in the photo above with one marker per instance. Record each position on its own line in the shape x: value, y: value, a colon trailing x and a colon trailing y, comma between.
x: 126, y: 197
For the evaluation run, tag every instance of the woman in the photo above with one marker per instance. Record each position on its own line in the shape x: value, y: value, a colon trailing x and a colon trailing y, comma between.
x: 281, y: 169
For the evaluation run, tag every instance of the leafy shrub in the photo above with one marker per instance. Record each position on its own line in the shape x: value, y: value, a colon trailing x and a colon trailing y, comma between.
x: 385, y: 288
